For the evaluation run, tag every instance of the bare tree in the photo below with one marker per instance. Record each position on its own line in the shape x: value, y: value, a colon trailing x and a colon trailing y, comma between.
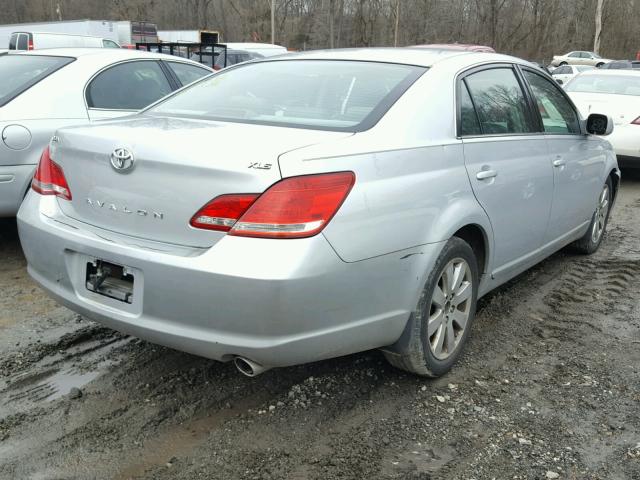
x: 596, y: 40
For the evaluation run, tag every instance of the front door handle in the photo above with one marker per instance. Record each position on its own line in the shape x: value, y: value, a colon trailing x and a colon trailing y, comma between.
x: 484, y: 174
x: 559, y: 162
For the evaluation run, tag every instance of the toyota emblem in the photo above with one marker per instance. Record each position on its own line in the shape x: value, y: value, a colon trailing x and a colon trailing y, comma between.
x: 122, y: 160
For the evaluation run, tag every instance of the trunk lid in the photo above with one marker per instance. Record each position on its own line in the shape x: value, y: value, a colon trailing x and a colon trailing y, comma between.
x: 178, y: 166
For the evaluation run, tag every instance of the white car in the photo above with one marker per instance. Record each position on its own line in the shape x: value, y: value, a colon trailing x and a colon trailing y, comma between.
x: 579, y: 58
x: 44, y: 90
x: 566, y: 72
x: 615, y: 93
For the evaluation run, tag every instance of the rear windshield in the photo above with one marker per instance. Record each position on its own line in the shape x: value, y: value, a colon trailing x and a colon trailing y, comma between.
x: 317, y: 94
x: 616, y: 84
x: 20, y: 72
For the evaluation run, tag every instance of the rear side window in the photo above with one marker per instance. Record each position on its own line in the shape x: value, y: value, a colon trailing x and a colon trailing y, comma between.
x: 500, y: 102
x: 13, y: 42
x: 187, y: 73
x: 109, y: 44
x: 23, y: 41
x: 558, y: 116
x: 21, y: 72
x: 128, y: 86
x: 469, y: 124
x: 319, y: 94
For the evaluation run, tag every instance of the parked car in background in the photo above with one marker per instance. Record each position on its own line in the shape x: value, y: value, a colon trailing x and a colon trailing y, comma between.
x: 47, y: 89
x: 566, y: 72
x: 319, y: 204
x: 621, y: 65
x: 456, y: 47
x: 41, y: 40
x: 263, y: 49
x: 615, y: 93
x: 579, y: 58
x: 542, y: 67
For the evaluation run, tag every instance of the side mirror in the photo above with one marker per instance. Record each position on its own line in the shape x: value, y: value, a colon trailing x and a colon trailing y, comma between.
x: 598, y: 124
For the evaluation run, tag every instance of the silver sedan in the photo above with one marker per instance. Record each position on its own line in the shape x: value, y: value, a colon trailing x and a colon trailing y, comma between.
x: 304, y: 207
x: 47, y: 89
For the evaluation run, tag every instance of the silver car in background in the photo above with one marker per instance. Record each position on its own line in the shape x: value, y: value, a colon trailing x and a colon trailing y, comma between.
x: 44, y: 90
x: 348, y: 200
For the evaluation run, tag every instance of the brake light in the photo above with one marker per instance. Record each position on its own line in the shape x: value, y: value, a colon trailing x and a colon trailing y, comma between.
x: 636, y: 121
x: 30, y: 45
x: 295, y: 207
x: 223, y: 212
x: 49, y: 178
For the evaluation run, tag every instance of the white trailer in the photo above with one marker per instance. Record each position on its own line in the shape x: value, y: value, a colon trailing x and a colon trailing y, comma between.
x: 189, y: 36
x: 95, y: 28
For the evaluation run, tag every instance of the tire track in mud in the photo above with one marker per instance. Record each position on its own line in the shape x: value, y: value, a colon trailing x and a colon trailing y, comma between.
x: 596, y: 293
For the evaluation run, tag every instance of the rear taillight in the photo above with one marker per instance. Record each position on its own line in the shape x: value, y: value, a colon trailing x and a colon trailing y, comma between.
x: 49, y: 178
x: 223, y: 212
x: 30, y: 45
x: 636, y: 121
x: 295, y: 207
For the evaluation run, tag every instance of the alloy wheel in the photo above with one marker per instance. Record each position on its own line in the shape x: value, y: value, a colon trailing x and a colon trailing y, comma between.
x: 450, y: 308
x: 600, y: 220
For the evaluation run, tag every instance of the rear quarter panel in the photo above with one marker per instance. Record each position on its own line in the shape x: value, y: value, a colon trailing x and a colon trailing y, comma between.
x: 411, y: 184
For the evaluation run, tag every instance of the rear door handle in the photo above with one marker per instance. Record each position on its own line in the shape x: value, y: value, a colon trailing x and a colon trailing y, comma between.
x: 559, y: 162
x: 484, y: 174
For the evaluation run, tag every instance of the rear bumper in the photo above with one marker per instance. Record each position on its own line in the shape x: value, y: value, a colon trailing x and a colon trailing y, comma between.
x: 14, y: 181
x: 276, y: 302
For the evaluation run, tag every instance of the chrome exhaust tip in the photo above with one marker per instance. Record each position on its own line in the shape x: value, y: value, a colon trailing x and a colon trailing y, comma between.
x: 248, y: 367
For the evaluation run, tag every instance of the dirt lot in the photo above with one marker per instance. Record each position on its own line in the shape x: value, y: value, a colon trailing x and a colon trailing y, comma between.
x: 550, y: 385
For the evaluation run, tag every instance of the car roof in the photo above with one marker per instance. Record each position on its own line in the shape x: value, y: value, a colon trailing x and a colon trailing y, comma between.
x: 424, y: 57
x: 107, y: 55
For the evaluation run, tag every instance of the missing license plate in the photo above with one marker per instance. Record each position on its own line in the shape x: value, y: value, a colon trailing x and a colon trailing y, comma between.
x: 113, y: 281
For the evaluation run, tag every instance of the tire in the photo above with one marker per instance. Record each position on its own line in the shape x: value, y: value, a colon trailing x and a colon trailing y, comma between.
x: 592, y: 239
x: 415, y: 352
x: 562, y: 64
x: 599, y: 65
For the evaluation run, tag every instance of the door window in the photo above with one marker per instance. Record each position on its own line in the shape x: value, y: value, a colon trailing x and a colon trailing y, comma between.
x: 128, y: 86
x: 574, y: 54
x: 187, y: 73
x: 109, y: 44
x: 558, y: 116
x: 500, y: 102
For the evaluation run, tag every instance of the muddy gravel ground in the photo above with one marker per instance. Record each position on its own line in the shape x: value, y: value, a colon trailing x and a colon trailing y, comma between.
x: 549, y: 387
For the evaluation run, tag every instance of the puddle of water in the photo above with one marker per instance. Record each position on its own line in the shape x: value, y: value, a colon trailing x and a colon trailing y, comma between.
x: 62, y: 382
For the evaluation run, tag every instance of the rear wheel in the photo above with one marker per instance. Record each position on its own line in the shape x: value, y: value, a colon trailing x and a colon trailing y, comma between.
x: 592, y: 239
x: 599, y: 65
x: 562, y: 64
x: 439, y: 326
